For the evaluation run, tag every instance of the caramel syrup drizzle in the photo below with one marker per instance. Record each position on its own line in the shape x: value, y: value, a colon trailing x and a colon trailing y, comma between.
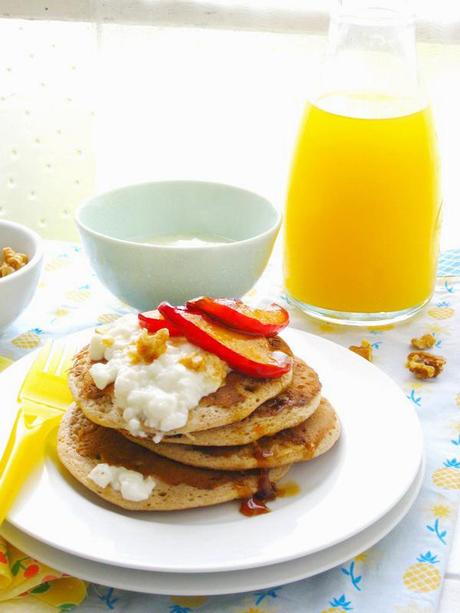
x: 266, y: 492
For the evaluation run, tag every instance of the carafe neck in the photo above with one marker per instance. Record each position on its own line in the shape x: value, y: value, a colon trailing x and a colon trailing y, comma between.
x: 371, y: 52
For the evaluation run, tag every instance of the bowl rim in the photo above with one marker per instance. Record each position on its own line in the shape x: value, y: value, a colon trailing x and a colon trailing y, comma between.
x: 36, y: 258
x: 274, y: 227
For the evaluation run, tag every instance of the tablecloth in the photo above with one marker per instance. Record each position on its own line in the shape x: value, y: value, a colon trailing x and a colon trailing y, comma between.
x: 401, y: 574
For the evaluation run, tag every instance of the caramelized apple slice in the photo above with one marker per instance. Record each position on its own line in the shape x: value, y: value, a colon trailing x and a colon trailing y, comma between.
x: 247, y: 354
x: 235, y: 314
x: 153, y: 321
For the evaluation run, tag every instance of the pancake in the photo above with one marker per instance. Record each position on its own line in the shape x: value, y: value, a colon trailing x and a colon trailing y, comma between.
x: 237, y: 398
x: 308, y: 440
x: 82, y: 445
x: 290, y: 408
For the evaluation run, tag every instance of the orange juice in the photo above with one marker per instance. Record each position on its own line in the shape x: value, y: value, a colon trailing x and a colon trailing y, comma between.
x: 363, y: 208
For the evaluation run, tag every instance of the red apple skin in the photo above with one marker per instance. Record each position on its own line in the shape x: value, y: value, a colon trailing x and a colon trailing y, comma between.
x: 230, y: 313
x: 153, y: 324
x: 31, y: 571
x: 181, y: 318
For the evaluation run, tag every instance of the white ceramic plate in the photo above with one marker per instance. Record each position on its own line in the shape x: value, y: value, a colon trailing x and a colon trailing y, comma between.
x: 342, y: 492
x: 201, y: 584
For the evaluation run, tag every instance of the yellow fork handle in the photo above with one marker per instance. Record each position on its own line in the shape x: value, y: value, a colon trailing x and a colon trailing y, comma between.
x: 25, y: 451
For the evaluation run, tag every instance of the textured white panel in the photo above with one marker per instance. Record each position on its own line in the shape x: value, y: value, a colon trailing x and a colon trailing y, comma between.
x: 225, y: 106
x: 440, y: 66
x: 46, y: 122
x: 169, y: 103
x: 203, y: 104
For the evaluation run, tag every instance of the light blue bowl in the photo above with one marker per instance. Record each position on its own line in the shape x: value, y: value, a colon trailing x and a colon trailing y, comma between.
x: 113, y: 226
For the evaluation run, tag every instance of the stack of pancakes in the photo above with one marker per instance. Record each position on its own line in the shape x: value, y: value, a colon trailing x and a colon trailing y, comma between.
x: 247, y: 429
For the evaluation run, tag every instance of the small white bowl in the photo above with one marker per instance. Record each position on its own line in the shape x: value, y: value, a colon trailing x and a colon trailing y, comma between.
x: 18, y: 288
x: 114, y: 225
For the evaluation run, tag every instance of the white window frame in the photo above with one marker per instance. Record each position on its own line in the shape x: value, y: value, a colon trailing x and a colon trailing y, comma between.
x: 437, y: 21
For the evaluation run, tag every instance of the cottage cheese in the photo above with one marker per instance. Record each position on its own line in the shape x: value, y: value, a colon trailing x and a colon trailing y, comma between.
x: 131, y: 484
x: 157, y: 395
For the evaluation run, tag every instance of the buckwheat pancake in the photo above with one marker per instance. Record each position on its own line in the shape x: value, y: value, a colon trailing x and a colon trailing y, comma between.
x: 237, y: 398
x: 83, y: 444
x: 290, y: 408
x: 308, y: 440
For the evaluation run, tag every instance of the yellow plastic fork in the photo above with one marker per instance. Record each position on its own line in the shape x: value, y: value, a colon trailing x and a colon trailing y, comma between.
x: 43, y: 398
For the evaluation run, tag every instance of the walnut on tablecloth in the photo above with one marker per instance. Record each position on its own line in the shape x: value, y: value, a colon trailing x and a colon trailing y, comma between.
x: 423, y: 342
x: 364, y: 350
x: 425, y: 365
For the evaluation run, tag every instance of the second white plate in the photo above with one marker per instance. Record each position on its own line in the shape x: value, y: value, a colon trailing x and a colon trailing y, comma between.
x: 342, y: 492
x: 207, y: 584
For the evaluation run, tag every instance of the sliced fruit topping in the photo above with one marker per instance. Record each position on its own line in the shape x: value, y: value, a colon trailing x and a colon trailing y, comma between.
x: 235, y: 314
x: 247, y: 354
x: 153, y: 321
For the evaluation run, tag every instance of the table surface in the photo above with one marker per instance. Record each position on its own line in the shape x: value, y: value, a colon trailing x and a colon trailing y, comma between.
x: 450, y: 599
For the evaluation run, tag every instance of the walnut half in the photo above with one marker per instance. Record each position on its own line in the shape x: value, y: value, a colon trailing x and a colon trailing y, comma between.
x: 12, y: 261
x: 425, y: 365
x: 149, y: 347
x: 364, y: 350
x: 423, y: 342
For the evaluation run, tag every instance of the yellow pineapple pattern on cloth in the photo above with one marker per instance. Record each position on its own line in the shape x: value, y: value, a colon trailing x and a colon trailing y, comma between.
x: 263, y: 601
x: 107, y: 318
x: 441, y: 311
x: 423, y: 576
x: 190, y: 602
x: 4, y: 362
x: 441, y: 511
x: 78, y: 295
x: 455, y: 440
x: 61, y: 312
x: 55, y: 264
x: 362, y: 557
x: 328, y: 328
x: 28, y: 340
x: 256, y: 609
x: 414, y: 607
x: 448, y: 478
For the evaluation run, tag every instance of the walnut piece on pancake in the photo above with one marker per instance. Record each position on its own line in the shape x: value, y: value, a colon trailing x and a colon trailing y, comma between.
x: 364, y: 350
x: 194, y: 361
x: 425, y: 365
x: 423, y: 342
x: 149, y: 347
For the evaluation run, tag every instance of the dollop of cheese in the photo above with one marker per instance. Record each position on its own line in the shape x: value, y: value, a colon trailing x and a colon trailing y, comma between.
x: 159, y: 394
x: 131, y: 484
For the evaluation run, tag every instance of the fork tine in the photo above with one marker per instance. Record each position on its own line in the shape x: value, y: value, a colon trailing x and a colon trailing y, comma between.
x: 55, y: 358
x: 38, y: 364
x: 68, y: 358
x: 46, y: 381
x: 42, y: 357
x: 10, y: 443
x: 43, y: 397
x: 36, y: 410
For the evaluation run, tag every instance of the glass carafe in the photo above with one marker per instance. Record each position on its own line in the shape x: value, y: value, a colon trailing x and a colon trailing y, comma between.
x: 363, y: 207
